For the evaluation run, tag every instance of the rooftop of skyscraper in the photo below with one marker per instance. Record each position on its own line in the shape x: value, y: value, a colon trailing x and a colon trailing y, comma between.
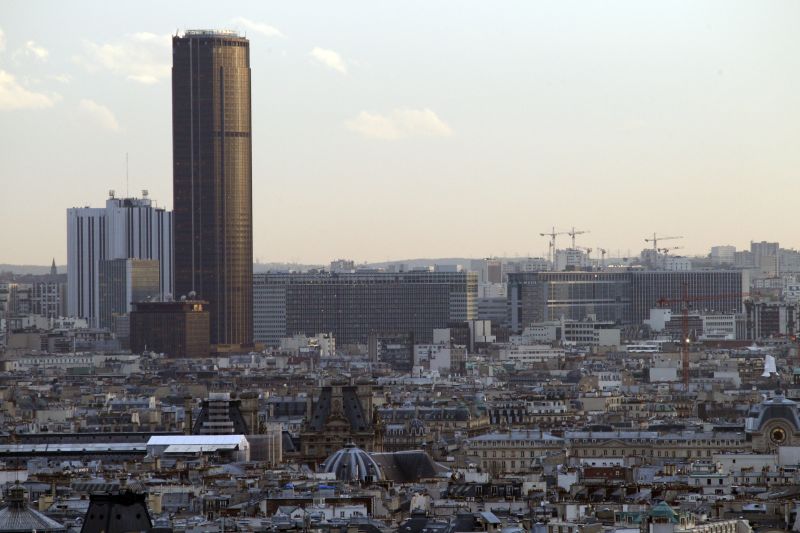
x: 211, y: 33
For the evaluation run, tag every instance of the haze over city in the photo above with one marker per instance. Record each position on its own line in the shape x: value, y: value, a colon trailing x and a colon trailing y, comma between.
x: 399, y: 267
x: 419, y: 130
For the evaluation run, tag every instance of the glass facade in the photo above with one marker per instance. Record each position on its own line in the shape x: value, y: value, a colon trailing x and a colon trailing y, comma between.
x: 708, y: 290
x: 620, y: 297
x: 354, y: 305
x: 123, y: 282
x: 544, y: 296
x: 212, y: 179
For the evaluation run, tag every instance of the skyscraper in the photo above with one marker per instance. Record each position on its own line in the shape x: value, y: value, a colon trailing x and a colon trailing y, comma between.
x: 126, y: 228
x: 212, y: 178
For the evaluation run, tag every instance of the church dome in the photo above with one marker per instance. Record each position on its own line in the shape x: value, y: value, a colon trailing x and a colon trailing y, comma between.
x: 352, y: 464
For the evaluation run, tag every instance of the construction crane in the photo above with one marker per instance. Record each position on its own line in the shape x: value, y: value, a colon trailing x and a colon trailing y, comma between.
x: 553, y: 234
x: 684, y: 301
x: 656, y: 238
x: 665, y: 251
x: 575, y: 232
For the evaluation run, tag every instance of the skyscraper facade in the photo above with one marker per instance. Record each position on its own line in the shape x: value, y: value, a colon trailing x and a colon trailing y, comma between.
x: 212, y: 178
x: 127, y: 228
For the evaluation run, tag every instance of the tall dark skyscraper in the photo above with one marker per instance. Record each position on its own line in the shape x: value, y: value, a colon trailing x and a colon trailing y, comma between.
x: 212, y: 178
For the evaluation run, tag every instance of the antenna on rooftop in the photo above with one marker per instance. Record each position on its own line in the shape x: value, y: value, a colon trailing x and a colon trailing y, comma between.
x: 127, y: 177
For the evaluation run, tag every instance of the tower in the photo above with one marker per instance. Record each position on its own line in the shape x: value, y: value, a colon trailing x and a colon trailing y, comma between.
x: 126, y: 228
x: 212, y: 178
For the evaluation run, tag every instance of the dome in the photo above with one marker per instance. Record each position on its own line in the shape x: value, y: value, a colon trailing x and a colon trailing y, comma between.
x: 16, y: 516
x: 352, y: 464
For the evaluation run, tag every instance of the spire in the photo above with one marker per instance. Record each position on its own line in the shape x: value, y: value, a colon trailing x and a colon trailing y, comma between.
x: 53, y: 269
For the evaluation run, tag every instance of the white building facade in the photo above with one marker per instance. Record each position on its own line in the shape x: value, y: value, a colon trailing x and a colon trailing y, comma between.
x: 125, y: 228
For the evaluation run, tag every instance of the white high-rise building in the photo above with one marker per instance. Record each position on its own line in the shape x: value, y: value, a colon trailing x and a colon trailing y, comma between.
x: 126, y: 228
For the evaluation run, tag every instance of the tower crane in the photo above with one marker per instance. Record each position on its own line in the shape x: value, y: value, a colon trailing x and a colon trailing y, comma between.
x: 656, y: 238
x: 553, y: 234
x: 575, y: 232
x: 665, y: 251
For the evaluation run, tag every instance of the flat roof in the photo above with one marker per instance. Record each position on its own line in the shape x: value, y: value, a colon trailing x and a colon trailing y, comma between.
x: 211, y: 33
x: 66, y: 448
x: 198, y: 448
x: 195, y: 440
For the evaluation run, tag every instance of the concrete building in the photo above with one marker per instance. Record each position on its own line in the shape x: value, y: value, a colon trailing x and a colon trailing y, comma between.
x: 433, y: 357
x: 321, y: 344
x: 571, y: 332
x: 126, y: 228
x: 717, y: 290
x: 535, y: 297
x: 762, y: 250
x: 394, y: 349
x: 771, y: 319
x: 618, y: 297
x: 723, y: 255
x: 354, y: 305
x: 526, y: 354
x: 343, y: 265
x: 571, y: 259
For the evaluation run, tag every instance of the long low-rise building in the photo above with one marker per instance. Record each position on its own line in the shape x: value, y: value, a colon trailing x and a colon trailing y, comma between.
x: 618, y: 297
x: 354, y: 305
x: 235, y: 446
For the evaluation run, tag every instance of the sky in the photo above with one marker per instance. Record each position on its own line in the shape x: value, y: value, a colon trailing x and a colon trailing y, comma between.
x: 395, y: 130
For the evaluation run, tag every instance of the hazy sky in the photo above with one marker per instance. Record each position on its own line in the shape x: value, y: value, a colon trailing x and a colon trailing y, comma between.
x: 390, y: 130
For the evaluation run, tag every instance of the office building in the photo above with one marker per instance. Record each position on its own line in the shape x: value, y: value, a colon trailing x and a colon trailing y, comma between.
x: 123, y: 282
x: 354, y: 305
x: 546, y: 296
x: 723, y: 255
x: 396, y: 350
x: 771, y: 320
x: 176, y: 329
x: 571, y: 259
x: 126, y: 228
x: 618, y: 297
x: 50, y: 294
x: 720, y: 291
x: 212, y: 178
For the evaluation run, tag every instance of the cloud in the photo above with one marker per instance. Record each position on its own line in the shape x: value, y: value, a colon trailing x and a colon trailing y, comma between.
x: 329, y: 58
x: 15, y: 96
x: 141, y: 57
x: 35, y: 50
x: 61, y: 78
x: 399, y: 124
x: 99, y: 114
x: 258, y: 27
x: 2, y: 40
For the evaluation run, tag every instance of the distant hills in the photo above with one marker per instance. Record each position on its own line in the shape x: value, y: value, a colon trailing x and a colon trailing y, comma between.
x: 264, y: 267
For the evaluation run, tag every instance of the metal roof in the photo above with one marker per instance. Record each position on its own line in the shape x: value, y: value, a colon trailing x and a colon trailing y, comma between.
x: 65, y: 448
x: 168, y: 440
x: 199, y: 448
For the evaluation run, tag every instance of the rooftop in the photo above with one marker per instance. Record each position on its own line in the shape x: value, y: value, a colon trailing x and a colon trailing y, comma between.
x: 211, y: 33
